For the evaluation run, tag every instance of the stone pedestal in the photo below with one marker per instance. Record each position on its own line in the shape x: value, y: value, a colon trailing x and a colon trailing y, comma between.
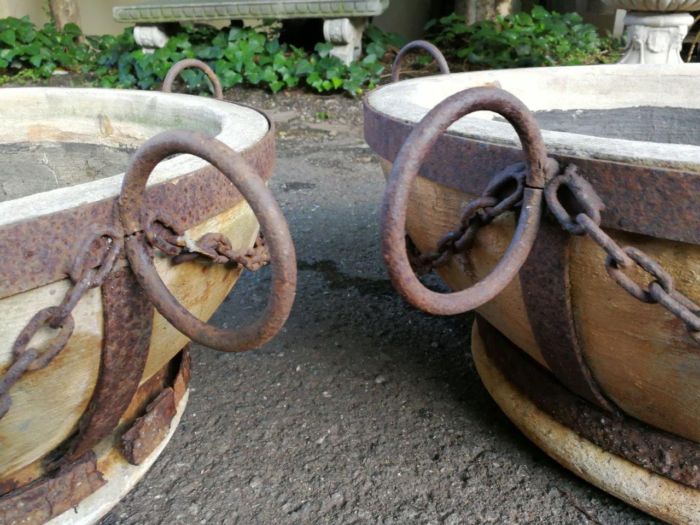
x: 346, y: 36
x: 655, y: 37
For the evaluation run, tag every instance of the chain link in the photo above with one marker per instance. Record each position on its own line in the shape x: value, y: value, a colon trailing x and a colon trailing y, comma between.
x: 585, y: 220
x: 480, y: 212
x: 85, y: 275
x: 168, y: 236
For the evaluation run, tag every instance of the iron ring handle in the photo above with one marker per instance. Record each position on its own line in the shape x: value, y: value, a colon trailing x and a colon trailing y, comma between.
x: 266, y: 209
x: 431, y: 49
x: 404, y: 172
x: 186, y: 64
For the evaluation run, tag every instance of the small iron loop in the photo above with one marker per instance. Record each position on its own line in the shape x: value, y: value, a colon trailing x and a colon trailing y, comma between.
x: 188, y: 63
x: 426, y: 46
x: 514, y: 174
x: 472, y: 209
x: 70, y: 300
x: 447, y: 242
x: 585, y: 200
x: 607, y: 243
x: 686, y: 302
x: 691, y: 317
x: 164, y: 232
x: 646, y: 263
x: 53, y: 347
x: 19, y: 366
x: 466, y: 241
x: 110, y: 246
x: 17, y: 369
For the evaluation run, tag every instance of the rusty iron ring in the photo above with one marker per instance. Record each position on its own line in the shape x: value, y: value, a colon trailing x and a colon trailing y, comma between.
x: 431, y: 49
x: 188, y: 63
x: 405, y: 170
x: 272, y: 223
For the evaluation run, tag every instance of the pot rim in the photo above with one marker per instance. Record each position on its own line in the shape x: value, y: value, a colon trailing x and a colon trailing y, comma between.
x: 531, y: 85
x: 37, y: 112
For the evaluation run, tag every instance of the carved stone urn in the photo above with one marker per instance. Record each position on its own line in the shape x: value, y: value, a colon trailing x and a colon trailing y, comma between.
x: 655, y: 29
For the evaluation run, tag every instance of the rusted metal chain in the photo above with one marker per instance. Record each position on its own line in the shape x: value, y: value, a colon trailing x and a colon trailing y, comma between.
x: 585, y: 220
x: 26, y: 358
x: 212, y: 246
x: 406, y: 166
x: 479, y: 212
x: 140, y: 238
x: 188, y: 63
x: 431, y: 49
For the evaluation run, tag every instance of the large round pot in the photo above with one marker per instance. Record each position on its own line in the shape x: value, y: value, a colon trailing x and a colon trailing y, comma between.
x: 95, y: 309
x: 625, y: 372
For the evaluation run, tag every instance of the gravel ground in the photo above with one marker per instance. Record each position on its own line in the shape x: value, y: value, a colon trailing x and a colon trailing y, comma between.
x: 363, y: 410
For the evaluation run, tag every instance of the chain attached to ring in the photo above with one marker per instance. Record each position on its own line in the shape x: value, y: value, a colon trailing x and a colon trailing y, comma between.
x: 167, y: 236
x: 85, y: 276
x: 503, y: 194
x: 586, y: 221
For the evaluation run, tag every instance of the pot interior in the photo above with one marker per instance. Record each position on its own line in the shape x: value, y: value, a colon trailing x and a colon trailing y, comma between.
x: 35, y: 167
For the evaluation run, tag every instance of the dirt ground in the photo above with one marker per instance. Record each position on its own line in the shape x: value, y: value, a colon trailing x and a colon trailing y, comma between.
x: 363, y: 410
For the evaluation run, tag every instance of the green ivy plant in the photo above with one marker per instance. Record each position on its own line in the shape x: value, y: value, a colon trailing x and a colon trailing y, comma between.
x: 538, y: 38
x: 27, y: 52
x: 239, y: 56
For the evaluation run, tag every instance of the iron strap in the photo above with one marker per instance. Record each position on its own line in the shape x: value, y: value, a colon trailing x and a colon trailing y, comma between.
x: 546, y: 288
x: 128, y: 319
x: 637, y: 197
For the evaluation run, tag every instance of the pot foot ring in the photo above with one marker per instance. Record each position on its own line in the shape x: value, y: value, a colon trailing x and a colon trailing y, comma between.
x: 120, y: 477
x: 653, y: 493
x: 82, y: 492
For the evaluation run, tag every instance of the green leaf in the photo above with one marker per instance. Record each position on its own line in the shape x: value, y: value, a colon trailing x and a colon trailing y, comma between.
x: 8, y: 37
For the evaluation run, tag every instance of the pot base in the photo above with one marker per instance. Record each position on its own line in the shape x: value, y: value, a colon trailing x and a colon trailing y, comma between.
x: 120, y: 477
x: 657, y: 495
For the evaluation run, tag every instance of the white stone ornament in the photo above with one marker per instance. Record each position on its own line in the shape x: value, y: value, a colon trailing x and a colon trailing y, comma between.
x: 655, y: 38
x: 150, y: 38
x: 346, y: 36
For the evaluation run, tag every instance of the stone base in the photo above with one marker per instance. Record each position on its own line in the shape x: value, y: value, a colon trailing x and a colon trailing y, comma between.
x: 655, y: 38
x: 657, y: 495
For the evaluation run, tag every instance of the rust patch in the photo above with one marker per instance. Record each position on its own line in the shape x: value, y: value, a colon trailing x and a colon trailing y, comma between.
x: 182, y: 380
x: 150, y: 429
x: 48, y: 497
x: 670, y: 456
x: 128, y: 319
